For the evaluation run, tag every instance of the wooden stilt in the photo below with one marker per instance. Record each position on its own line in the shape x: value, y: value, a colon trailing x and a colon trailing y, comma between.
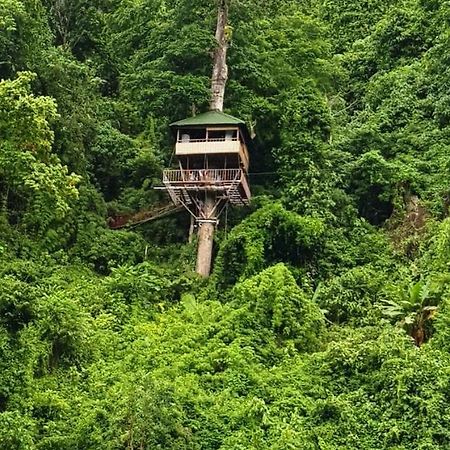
x: 206, y: 237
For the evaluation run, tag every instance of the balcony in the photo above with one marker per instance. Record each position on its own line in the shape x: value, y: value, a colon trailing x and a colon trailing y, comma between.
x: 221, y: 181
x: 195, y: 147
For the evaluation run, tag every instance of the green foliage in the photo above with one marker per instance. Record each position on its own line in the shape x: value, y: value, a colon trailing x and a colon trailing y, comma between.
x: 351, y: 297
x: 16, y: 305
x: 303, y: 160
x: 107, y: 338
x: 116, y: 157
x: 414, y: 308
x: 17, y: 431
x: 29, y: 170
x: 24, y: 36
x: 271, y: 234
x: 392, y: 112
x: 109, y: 248
x: 394, y: 385
x: 436, y: 255
x: 155, y: 76
x: 64, y: 325
x: 10, y: 11
x: 74, y: 86
x: 275, y: 302
x: 352, y: 20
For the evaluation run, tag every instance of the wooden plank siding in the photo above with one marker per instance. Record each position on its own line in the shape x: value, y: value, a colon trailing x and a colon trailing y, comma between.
x: 212, y: 147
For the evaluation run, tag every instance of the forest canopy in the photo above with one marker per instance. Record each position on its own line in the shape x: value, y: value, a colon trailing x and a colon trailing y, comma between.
x: 326, y: 321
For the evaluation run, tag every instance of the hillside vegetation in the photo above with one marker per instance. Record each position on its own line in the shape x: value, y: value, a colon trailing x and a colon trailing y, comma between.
x: 325, y: 324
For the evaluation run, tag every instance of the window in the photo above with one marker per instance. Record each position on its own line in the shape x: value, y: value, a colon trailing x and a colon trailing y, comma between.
x: 191, y: 135
x: 222, y: 135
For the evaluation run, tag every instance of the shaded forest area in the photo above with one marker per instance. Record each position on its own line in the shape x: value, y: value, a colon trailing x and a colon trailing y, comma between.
x: 326, y: 321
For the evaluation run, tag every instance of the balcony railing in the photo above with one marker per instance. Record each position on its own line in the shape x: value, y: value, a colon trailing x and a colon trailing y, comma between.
x: 203, y: 176
x: 188, y: 141
x: 232, y: 182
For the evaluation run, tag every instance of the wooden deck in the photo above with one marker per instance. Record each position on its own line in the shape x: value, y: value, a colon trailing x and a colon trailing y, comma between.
x: 230, y: 184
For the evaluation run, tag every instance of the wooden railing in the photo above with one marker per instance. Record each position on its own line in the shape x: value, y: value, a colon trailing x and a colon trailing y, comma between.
x: 189, y: 141
x: 212, y: 176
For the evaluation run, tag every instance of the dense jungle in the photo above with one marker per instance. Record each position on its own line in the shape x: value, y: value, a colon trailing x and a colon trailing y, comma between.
x: 325, y: 323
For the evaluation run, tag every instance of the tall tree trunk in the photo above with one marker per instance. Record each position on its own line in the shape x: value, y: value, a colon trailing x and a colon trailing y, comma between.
x: 220, y: 68
x: 206, y: 237
x: 218, y: 83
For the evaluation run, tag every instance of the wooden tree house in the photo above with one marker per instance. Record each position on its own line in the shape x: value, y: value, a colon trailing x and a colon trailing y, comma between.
x: 211, y: 153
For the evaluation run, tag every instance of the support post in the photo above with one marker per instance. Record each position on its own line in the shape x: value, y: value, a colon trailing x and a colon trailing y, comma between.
x: 206, y: 236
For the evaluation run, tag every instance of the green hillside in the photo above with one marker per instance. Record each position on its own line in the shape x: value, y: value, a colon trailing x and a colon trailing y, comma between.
x: 325, y: 324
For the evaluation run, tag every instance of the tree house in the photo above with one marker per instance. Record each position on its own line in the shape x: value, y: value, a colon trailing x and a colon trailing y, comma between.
x: 211, y: 152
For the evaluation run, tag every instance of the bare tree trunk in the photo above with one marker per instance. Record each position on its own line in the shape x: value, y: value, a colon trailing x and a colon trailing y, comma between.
x: 218, y: 83
x: 206, y: 238
x: 220, y: 68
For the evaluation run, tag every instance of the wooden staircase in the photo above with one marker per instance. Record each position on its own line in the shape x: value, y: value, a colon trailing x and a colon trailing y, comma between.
x: 184, y: 186
x: 141, y: 217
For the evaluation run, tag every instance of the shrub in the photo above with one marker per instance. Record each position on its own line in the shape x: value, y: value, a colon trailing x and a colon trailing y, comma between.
x: 272, y: 301
x: 270, y: 235
x: 104, y: 249
x: 351, y: 296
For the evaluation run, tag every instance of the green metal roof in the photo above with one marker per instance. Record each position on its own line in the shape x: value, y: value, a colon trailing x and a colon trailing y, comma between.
x: 209, y: 118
